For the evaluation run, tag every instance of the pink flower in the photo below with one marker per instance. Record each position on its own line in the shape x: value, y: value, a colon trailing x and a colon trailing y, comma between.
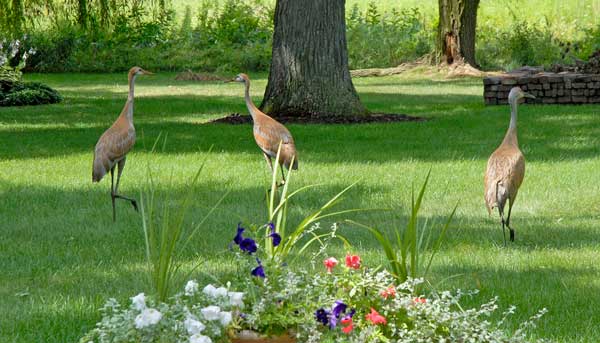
x: 330, y: 263
x: 389, y: 292
x: 353, y: 261
x: 348, y: 325
x: 375, y: 318
x: 419, y: 300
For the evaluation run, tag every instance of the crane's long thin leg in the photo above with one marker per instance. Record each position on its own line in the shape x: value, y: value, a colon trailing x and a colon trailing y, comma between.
x: 501, y: 212
x: 512, y: 232
x: 282, y: 175
x: 269, y: 162
x: 112, y: 192
x: 503, y: 224
x: 121, y: 166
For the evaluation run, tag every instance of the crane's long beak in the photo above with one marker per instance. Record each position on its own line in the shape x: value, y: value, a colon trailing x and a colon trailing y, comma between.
x: 227, y: 81
x: 527, y: 95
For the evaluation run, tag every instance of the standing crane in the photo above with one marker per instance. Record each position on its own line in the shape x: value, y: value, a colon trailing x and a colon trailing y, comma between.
x: 269, y: 134
x: 114, y: 144
x: 506, y: 168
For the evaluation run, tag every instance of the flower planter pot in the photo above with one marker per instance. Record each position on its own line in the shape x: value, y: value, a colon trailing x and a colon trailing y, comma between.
x: 253, y: 337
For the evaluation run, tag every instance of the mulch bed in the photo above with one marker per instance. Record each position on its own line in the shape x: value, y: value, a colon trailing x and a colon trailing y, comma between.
x: 237, y: 118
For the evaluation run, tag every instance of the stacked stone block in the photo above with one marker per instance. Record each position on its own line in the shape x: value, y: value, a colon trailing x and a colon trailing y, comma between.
x: 549, y: 88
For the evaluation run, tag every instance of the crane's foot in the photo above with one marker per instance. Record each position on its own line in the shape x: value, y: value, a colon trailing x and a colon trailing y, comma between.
x: 135, y: 205
x: 512, y: 235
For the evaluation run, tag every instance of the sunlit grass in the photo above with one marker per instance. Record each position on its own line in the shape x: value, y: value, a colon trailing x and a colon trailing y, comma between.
x: 62, y: 256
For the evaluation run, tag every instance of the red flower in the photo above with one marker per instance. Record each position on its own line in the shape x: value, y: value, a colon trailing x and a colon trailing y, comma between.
x: 353, y: 261
x: 389, y: 292
x: 348, y: 325
x: 419, y: 300
x: 330, y: 263
x: 375, y: 318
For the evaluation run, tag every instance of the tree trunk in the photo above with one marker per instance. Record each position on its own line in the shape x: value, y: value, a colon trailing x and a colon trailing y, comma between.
x: 309, y: 68
x: 17, y: 17
x: 82, y: 13
x: 456, y: 31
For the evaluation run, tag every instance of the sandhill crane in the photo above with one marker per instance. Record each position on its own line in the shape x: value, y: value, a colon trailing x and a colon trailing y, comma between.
x: 269, y: 134
x: 506, y: 168
x: 115, y: 143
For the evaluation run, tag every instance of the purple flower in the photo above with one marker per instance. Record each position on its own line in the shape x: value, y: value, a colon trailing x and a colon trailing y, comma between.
x: 238, y: 237
x: 322, y: 316
x: 248, y: 245
x: 350, y: 315
x: 258, y: 271
x: 274, y: 235
x: 338, y: 308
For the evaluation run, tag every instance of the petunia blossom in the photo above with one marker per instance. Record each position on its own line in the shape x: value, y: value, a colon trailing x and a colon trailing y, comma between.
x: 238, y: 237
x: 209, y: 290
x: 375, y: 318
x: 236, y: 299
x: 330, y: 263
x: 258, y: 271
x: 338, y: 308
x: 248, y: 245
x: 322, y: 316
x: 198, y: 338
x: 353, y: 261
x: 211, y: 312
x: 220, y: 292
x: 147, y: 317
x: 193, y: 326
x: 347, y: 325
x: 191, y: 287
x: 225, y: 318
x: 139, y: 302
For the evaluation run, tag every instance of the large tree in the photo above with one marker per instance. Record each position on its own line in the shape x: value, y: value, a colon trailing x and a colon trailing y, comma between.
x: 456, y: 31
x: 309, y: 68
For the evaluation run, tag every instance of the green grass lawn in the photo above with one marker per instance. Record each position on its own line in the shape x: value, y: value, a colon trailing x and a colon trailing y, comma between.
x: 61, y: 256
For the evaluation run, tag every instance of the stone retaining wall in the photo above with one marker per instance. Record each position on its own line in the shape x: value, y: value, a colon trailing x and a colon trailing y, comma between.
x: 549, y: 88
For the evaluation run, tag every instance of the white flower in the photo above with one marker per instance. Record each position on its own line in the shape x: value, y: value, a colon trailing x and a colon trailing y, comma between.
x: 225, y: 318
x: 236, y: 299
x: 193, y: 326
x: 191, y: 287
x: 211, y: 312
x: 148, y: 317
x: 209, y: 290
x: 139, y: 302
x: 220, y: 292
x: 198, y: 338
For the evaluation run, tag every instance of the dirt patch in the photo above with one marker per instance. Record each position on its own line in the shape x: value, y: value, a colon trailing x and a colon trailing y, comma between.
x: 237, y: 118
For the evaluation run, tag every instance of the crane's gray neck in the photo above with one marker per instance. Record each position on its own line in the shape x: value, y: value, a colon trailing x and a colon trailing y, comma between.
x: 129, y: 105
x: 249, y: 104
x: 513, y: 115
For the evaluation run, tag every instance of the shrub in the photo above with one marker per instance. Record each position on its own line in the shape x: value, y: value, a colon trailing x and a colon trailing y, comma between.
x: 28, y: 93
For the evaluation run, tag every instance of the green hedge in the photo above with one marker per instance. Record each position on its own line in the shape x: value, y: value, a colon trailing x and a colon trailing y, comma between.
x: 28, y: 93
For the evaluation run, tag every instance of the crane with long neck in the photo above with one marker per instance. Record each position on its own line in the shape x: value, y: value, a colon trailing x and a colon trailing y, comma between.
x: 506, y: 168
x: 114, y: 144
x: 270, y: 134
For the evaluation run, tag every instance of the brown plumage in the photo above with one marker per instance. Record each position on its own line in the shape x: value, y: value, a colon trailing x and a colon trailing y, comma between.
x: 269, y: 133
x: 506, y: 168
x: 114, y: 144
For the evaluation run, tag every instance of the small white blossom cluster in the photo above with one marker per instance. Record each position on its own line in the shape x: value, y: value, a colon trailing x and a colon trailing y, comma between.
x: 190, y: 317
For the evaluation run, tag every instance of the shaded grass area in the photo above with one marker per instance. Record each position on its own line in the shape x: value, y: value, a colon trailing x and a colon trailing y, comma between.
x: 62, y: 256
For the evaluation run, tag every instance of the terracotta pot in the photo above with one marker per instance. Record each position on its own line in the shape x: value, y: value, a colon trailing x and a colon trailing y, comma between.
x: 246, y: 336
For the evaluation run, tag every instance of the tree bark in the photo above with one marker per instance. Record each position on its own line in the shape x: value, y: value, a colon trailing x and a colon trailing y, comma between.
x: 309, y: 68
x: 456, y: 31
